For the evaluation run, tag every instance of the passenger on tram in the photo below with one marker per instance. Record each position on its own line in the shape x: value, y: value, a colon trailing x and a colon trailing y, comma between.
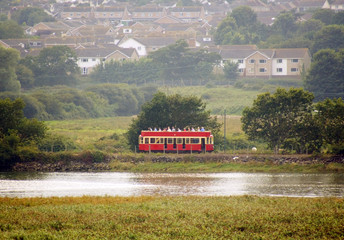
x: 202, y: 129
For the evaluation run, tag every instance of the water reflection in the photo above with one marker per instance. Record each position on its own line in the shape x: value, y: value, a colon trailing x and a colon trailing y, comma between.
x: 130, y: 184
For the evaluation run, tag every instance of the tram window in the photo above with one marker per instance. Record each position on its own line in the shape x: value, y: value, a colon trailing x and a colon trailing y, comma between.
x: 179, y: 140
x: 169, y: 140
x: 146, y: 140
x: 195, y: 140
x: 187, y: 140
x: 141, y: 140
x: 152, y: 140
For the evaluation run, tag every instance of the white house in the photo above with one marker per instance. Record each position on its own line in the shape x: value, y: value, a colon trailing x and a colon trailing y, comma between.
x: 90, y: 58
x: 134, y: 43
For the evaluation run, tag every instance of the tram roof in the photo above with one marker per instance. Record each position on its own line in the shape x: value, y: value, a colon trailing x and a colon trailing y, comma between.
x: 175, y: 134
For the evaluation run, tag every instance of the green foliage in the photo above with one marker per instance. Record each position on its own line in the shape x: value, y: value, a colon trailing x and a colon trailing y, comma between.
x: 278, y: 117
x: 31, y: 16
x: 241, y: 27
x: 10, y: 29
x: 330, y: 115
x: 16, y: 130
x: 174, y: 110
x: 8, y: 62
x: 170, y: 65
x: 56, y: 66
x: 331, y: 36
x: 325, y: 77
x: 139, y: 72
x: 56, y: 143
x: 285, y: 24
x: 25, y: 76
x: 231, y: 71
x: 178, y: 64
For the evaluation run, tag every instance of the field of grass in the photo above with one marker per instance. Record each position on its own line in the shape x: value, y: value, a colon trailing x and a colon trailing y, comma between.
x: 86, y: 132
x: 236, y: 217
x: 219, y: 98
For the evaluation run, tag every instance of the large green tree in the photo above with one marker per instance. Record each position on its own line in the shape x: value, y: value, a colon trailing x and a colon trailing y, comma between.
x: 10, y: 29
x: 32, y: 15
x: 240, y: 27
x: 231, y: 71
x: 180, y: 64
x: 16, y: 130
x: 330, y: 116
x: 326, y: 75
x: 56, y: 66
x: 173, y: 110
x: 285, y: 24
x: 331, y: 36
x: 8, y: 62
x: 276, y: 118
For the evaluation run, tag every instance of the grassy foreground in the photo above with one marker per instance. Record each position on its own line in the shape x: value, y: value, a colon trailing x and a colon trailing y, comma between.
x: 238, y: 217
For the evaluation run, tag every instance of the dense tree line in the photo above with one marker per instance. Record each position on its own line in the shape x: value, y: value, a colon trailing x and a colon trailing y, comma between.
x: 289, y: 120
x: 172, y: 65
x: 323, y: 30
x: 103, y: 100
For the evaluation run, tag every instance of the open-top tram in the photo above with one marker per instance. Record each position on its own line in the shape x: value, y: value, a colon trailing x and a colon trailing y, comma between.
x: 179, y: 142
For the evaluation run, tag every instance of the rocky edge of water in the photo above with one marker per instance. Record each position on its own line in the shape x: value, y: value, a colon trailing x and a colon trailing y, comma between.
x: 80, y: 165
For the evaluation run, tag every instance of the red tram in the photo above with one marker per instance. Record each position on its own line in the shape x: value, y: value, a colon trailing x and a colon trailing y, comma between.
x: 161, y: 141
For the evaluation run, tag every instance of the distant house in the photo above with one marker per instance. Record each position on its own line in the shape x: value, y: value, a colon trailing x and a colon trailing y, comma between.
x: 50, y: 28
x: 147, y: 13
x: 92, y: 30
x: 111, y: 13
x: 146, y: 45
x: 188, y: 14
x: 77, y: 13
x: 89, y: 58
x: 266, y: 62
x: 308, y: 5
x: 24, y: 46
x: 336, y: 5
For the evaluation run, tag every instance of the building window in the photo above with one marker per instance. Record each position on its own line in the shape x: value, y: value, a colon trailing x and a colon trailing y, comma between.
x: 93, y: 59
x: 84, y: 71
x: 262, y: 70
x: 279, y: 70
x: 241, y: 70
x: 240, y: 61
x: 262, y: 61
x: 252, y: 61
x: 139, y: 48
x: 295, y: 60
x: 85, y: 60
x: 294, y: 69
x: 279, y: 60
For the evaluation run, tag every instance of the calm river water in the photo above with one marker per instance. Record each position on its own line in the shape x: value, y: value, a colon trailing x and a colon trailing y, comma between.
x: 170, y: 184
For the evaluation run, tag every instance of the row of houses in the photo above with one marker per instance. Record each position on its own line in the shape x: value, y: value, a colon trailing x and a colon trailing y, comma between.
x: 252, y: 62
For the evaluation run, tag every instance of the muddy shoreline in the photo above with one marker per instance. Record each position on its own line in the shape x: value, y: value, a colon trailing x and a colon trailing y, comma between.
x: 75, y: 164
